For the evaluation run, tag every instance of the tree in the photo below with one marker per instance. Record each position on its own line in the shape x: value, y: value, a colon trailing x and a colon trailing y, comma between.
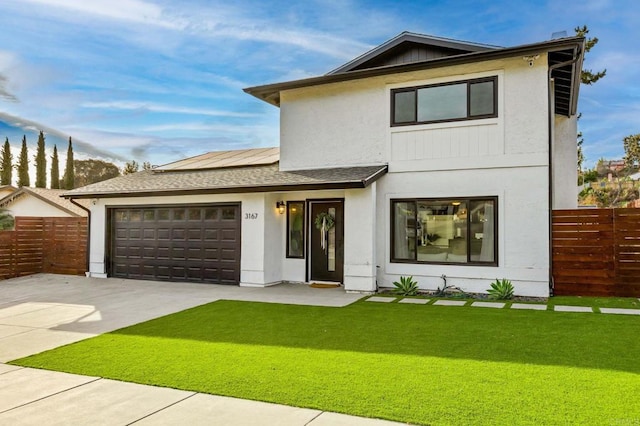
x: 92, y: 171
x: 588, y: 76
x: 618, y: 189
x: 6, y: 220
x: 6, y: 166
x: 147, y: 166
x: 23, y: 165
x: 69, y: 172
x: 55, y: 169
x: 130, y: 167
x: 631, y: 145
x: 41, y: 163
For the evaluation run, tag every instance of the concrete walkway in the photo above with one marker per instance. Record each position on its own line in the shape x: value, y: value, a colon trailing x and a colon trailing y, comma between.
x: 44, y: 311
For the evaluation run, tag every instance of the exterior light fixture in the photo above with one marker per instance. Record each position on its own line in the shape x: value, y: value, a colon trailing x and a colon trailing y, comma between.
x: 280, y: 207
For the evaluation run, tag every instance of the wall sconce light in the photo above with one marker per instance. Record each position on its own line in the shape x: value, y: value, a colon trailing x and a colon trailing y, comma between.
x: 280, y: 207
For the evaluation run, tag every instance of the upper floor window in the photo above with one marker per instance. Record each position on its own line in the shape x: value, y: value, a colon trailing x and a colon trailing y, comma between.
x: 460, y: 100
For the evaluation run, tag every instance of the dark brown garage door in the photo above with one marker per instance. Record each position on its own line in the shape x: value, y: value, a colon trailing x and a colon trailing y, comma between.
x: 186, y: 243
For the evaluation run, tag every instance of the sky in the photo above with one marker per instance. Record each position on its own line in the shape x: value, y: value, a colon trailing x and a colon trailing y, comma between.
x: 161, y: 80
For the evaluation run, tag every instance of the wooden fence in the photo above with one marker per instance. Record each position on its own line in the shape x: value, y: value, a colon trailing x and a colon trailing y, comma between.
x: 56, y: 245
x: 596, y: 252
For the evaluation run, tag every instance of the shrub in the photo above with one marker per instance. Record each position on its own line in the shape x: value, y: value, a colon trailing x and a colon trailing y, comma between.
x: 501, y: 289
x: 406, y: 286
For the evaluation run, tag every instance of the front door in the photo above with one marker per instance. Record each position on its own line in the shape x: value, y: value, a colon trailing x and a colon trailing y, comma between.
x: 327, y: 242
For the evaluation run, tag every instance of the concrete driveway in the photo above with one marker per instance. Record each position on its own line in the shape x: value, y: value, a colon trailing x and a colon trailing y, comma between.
x: 45, y: 311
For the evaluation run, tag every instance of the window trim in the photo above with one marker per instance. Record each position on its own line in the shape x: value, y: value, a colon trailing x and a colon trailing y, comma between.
x: 468, y: 231
x: 304, y: 227
x: 415, y: 89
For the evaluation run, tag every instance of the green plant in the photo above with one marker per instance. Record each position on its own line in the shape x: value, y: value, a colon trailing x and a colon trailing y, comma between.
x: 6, y: 220
x: 501, y: 289
x: 449, y: 290
x: 406, y: 286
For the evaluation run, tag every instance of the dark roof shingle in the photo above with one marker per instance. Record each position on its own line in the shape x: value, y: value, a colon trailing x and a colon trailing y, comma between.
x: 229, y: 180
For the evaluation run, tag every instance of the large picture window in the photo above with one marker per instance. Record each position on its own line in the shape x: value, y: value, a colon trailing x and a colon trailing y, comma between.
x: 463, y: 100
x: 455, y: 230
x: 295, y: 229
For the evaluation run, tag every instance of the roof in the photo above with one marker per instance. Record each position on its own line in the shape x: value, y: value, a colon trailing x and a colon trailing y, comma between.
x: 221, y: 159
x: 49, y: 196
x: 260, y: 178
x: 407, y: 39
x: 565, y: 62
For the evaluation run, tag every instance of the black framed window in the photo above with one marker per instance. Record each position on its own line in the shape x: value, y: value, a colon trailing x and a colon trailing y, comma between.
x: 455, y: 101
x: 295, y: 229
x: 445, y: 230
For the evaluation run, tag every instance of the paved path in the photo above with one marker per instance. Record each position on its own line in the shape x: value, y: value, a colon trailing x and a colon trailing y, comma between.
x: 44, y: 311
x: 502, y: 305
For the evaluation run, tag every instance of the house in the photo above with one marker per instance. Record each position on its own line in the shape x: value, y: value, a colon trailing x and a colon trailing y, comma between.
x: 40, y: 202
x: 6, y: 190
x: 424, y: 156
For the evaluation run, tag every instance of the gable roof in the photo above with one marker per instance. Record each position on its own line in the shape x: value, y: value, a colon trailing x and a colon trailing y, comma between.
x: 7, y: 188
x: 411, y: 47
x: 49, y: 196
x: 565, y: 64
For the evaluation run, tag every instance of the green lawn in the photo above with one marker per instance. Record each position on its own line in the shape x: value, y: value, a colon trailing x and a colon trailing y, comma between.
x: 410, y: 363
x: 596, y: 302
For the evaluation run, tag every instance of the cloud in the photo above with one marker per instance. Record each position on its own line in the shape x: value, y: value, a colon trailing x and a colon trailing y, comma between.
x: 146, y: 106
x: 122, y: 10
x: 4, y: 93
x: 79, y: 144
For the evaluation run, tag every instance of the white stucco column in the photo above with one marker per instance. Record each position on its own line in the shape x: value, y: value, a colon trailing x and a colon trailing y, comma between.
x: 252, y: 241
x: 359, y: 239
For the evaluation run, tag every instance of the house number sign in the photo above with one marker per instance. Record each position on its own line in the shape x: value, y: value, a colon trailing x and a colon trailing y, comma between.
x: 251, y: 215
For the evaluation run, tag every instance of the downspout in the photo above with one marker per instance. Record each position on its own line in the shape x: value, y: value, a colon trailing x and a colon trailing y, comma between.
x: 88, y: 228
x: 551, y: 104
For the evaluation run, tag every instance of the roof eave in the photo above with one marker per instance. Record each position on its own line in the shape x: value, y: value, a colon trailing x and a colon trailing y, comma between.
x: 240, y: 189
x: 270, y: 93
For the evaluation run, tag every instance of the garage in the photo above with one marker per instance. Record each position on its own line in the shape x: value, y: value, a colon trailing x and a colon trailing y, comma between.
x: 198, y: 243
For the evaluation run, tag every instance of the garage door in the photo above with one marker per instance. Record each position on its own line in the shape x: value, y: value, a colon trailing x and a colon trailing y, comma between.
x: 186, y: 243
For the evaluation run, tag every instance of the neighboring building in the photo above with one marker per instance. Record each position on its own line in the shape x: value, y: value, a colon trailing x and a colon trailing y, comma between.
x: 423, y: 157
x: 41, y: 202
x: 6, y: 190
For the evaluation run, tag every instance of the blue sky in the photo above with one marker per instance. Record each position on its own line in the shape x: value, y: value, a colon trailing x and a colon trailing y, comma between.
x: 159, y: 80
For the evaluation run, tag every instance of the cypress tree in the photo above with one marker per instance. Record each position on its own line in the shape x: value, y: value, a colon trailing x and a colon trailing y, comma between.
x: 41, y: 163
x: 69, y: 172
x: 6, y: 167
x: 23, y: 165
x: 55, y: 169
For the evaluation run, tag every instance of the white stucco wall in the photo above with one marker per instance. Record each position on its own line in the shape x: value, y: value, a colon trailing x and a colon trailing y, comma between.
x: 565, y: 163
x: 522, y: 227
x: 506, y: 156
x: 263, y: 258
x: 27, y: 205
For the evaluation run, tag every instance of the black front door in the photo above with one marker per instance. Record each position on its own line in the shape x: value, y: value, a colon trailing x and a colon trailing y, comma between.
x: 327, y: 245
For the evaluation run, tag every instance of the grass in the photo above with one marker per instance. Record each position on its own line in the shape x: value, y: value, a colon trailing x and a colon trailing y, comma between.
x: 409, y: 363
x: 596, y: 302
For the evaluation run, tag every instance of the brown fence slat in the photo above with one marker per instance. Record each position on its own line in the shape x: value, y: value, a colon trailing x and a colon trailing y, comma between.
x: 596, y: 252
x: 55, y: 245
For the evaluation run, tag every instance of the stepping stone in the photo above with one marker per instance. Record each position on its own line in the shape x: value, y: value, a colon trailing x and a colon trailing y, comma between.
x: 533, y: 307
x: 381, y: 299
x: 415, y: 301
x: 488, y: 304
x: 450, y: 302
x: 620, y: 311
x: 563, y: 308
